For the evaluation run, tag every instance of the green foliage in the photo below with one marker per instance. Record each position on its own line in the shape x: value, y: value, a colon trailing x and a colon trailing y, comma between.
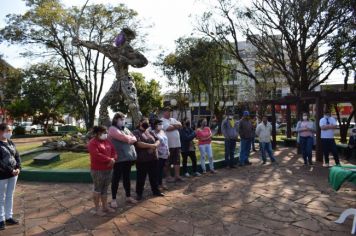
x: 19, y: 108
x: 149, y: 95
x: 19, y: 130
x: 52, y: 26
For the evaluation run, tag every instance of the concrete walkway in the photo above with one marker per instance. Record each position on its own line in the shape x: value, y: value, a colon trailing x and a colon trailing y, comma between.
x: 288, y: 199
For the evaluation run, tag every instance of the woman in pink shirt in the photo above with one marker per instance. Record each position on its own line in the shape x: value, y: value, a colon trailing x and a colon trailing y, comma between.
x: 306, y: 130
x: 203, y: 134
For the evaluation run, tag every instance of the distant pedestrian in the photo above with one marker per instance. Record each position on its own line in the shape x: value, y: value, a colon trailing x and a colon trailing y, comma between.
x: 306, y: 130
x: 147, y: 162
x: 204, y: 136
x: 254, y: 125
x: 10, y: 166
x: 162, y: 152
x: 171, y: 126
x: 123, y: 141
x: 187, y: 136
x: 351, y: 146
x: 230, y: 130
x: 246, y: 135
x: 102, y: 159
x: 327, y: 125
x: 263, y: 132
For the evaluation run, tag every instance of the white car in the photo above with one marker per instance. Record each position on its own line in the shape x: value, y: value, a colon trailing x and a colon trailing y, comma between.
x: 29, y: 127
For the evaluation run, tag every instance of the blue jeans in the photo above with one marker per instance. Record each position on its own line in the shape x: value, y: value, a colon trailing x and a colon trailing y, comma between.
x: 7, y: 189
x: 306, y: 144
x: 205, y: 149
x: 329, y: 145
x: 245, y: 148
x: 266, y: 147
x: 230, y: 147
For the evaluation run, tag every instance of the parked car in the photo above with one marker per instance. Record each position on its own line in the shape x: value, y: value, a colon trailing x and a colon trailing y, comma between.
x: 29, y: 127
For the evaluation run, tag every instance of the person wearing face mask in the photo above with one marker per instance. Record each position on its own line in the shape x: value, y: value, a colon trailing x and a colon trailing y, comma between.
x: 171, y: 126
x: 147, y: 163
x: 327, y: 125
x: 351, y: 147
x: 246, y: 133
x: 10, y: 166
x: 230, y: 130
x: 306, y: 130
x: 123, y: 141
x: 263, y: 132
x: 102, y: 159
x: 204, y: 135
x: 187, y: 136
x: 162, y: 151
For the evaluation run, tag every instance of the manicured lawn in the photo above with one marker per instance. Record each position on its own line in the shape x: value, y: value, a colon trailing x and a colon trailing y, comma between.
x: 69, y: 160
x: 27, y: 147
x: 73, y: 160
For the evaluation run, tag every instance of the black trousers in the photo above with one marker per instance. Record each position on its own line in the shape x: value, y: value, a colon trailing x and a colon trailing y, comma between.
x: 149, y: 168
x: 328, y: 145
x: 193, y: 157
x: 121, y: 169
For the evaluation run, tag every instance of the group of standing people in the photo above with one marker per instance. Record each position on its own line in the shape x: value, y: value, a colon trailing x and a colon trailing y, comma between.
x: 154, y: 147
x: 247, y: 128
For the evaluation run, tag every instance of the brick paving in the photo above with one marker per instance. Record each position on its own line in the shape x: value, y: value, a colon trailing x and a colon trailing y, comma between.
x: 288, y: 199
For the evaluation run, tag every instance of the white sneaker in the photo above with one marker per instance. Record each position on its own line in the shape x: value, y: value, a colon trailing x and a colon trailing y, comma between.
x: 197, y: 174
x: 187, y: 174
x: 204, y: 172
x: 113, y: 204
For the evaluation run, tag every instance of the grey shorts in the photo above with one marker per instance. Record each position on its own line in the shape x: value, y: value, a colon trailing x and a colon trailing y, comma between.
x: 101, y: 180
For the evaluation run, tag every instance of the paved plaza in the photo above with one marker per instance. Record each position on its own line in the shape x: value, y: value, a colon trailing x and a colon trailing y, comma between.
x: 287, y: 200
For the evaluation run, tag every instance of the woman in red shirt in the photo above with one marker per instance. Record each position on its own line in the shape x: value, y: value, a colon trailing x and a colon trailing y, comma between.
x: 204, y: 136
x: 102, y: 159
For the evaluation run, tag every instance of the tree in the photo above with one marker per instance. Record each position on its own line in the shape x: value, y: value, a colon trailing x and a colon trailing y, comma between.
x: 285, y: 34
x: 51, y: 26
x: 47, y: 92
x: 199, y: 64
x: 149, y: 96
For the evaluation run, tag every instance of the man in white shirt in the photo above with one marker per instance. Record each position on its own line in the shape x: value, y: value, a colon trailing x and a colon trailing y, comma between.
x: 171, y: 126
x: 263, y: 132
x: 327, y: 125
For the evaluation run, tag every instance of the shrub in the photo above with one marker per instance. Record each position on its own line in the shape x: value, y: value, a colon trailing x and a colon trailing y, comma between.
x: 19, y: 130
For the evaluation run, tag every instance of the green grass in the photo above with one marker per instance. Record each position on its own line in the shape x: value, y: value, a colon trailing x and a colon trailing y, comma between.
x: 27, y: 147
x: 69, y: 160
x: 73, y: 160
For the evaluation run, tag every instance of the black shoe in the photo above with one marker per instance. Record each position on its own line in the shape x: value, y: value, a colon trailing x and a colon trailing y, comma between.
x: 159, y: 195
x: 248, y: 163
x: 264, y: 162
x: 2, y: 225
x: 139, y: 197
x: 241, y: 165
x: 12, y: 221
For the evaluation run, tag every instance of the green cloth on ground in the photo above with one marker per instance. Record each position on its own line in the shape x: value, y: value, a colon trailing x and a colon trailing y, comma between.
x: 339, y: 174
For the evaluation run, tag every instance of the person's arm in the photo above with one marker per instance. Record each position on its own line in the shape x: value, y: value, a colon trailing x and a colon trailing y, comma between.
x: 223, y: 127
x: 88, y: 44
x: 258, y: 128
x: 97, y: 155
x: 116, y: 134
x: 113, y: 152
x: 322, y: 125
x: 207, y: 137
x: 332, y: 123
x: 174, y: 126
x: 240, y: 128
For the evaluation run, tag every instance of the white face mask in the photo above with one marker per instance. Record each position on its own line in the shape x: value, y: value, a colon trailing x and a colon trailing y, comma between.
x: 159, y: 127
x: 103, y: 136
x: 7, y: 135
x: 305, y: 117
